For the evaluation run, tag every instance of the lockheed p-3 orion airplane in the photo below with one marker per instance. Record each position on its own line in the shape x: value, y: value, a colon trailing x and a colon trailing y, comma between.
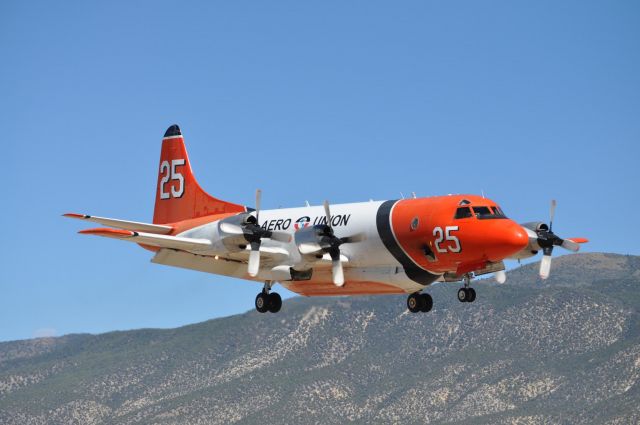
x: 377, y: 247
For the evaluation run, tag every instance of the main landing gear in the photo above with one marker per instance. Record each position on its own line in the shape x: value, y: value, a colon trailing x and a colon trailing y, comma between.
x: 419, y: 303
x: 267, y: 300
x: 466, y: 294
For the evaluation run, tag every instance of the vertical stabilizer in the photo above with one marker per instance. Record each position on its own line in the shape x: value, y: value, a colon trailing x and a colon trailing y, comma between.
x: 178, y: 194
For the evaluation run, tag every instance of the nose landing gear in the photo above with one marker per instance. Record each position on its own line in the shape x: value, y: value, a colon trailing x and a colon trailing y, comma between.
x: 267, y: 300
x: 466, y: 294
x: 419, y: 303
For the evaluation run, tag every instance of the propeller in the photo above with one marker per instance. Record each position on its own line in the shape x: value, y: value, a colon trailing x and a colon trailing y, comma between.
x: 250, y: 228
x: 334, y: 250
x: 547, y: 240
x: 333, y: 247
x: 323, y: 239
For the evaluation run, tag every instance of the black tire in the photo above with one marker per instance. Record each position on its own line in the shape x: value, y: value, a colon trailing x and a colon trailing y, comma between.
x: 427, y: 303
x: 463, y: 295
x: 262, y: 302
x: 472, y: 295
x: 414, y: 303
x: 275, y: 302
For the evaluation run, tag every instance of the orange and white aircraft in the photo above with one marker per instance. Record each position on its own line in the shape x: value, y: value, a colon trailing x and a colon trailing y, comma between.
x: 376, y: 247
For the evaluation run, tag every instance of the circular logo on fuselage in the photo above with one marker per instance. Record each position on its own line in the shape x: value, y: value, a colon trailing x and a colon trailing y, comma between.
x: 302, y: 222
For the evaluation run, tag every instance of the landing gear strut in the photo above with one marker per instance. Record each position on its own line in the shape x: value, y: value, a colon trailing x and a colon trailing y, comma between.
x: 419, y: 303
x: 267, y: 300
x: 466, y: 294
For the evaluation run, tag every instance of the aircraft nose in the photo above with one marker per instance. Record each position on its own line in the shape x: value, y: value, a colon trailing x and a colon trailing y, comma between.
x: 515, y: 236
x: 508, y: 239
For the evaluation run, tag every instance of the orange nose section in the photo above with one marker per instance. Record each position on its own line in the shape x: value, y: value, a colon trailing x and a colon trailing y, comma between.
x: 505, y: 239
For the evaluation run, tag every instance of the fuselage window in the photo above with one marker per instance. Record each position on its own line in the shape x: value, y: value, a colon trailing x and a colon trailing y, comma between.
x: 463, y: 212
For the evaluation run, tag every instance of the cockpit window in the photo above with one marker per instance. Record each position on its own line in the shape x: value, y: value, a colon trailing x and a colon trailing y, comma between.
x: 463, y: 212
x: 498, y: 212
x: 488, y: 212
x: 482, y: 212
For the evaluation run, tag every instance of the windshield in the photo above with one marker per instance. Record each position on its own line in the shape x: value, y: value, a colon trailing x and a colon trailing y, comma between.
x: 483, y: 212
x: 463, y: 212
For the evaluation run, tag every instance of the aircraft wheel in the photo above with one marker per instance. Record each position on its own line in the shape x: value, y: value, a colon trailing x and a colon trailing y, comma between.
x: 275, y: 302
x: 463, y: 295
x: 427, y: 303
x: 414, y: 303
x: 472, y: 295
x: 262, y: 302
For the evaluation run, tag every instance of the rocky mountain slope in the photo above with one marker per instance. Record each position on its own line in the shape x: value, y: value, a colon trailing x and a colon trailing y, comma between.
x: 526, y: 352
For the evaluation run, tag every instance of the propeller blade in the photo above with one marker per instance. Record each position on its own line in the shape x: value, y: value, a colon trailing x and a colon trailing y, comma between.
x: 336, y: 269
x: 579, y: 240
x: 501, y: 276
x: 552, y: 213
x: 570, y: 245
x: 358, y: 237
x: 327, y: 212
x: 280, y: 236
x: 545, y: 266
x: 258, y: 200
x: 254, y: 259
x: 309, y: 248
x: 232, y: 229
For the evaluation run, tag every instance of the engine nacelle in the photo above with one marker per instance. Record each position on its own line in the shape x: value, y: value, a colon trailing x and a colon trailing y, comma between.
x: 231, y: 241
x: 535, y: 226
x: 311, y: 235
x: 532, y: 247
x: 240, y: 219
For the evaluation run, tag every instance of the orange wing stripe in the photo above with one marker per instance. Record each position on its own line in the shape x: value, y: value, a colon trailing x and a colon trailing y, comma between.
x: 103, y: 231
x: 73, y: 215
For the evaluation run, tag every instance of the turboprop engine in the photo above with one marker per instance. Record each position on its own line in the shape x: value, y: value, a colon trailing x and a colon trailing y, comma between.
x: 320, y: 239
x: 541, y: 237
x: 247, y: 225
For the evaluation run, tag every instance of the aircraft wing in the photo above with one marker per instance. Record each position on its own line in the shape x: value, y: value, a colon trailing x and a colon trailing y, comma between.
x: 162, y: 241
x: 123, y: 224
x: 325, y: 261
x: 270, y: 255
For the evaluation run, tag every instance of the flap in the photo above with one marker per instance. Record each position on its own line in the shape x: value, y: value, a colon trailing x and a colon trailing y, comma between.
x: 162, y: 241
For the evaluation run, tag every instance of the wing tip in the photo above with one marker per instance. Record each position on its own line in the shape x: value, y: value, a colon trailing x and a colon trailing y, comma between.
x: 579, y: 240
x: 76, y: 215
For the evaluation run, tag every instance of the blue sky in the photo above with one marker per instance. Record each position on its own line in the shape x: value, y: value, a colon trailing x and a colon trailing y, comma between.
x: 346, y: 101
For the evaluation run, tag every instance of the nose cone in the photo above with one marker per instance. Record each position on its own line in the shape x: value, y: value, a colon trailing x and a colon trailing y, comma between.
x: 507, y: 238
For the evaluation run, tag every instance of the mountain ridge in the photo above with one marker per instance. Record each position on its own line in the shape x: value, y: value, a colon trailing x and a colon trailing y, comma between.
x: 566, y: 350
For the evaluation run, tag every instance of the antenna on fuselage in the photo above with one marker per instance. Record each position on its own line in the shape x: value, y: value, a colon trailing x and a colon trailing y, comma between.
x: 414, y: 195
x: 307, y: 203
x: 402, y: 195
x: 482, y: 192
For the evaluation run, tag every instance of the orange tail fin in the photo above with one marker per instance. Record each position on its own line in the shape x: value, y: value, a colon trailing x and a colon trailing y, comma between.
x: 178, y: 194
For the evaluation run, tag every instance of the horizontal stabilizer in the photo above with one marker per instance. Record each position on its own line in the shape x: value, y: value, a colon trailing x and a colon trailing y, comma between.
x: 124, y: 224
x: 162, y: 241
